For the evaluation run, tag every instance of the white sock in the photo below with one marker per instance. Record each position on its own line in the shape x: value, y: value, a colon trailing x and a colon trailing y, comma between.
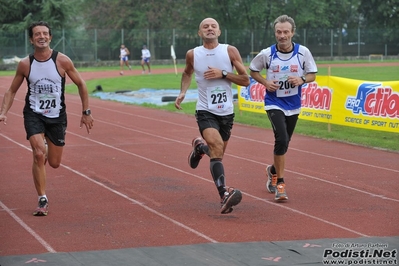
x: 42, y: 196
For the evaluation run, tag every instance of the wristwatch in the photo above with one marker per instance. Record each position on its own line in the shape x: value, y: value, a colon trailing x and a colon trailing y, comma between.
x: 86, y: 112
x: 224, y: 74
x: 304, y: 79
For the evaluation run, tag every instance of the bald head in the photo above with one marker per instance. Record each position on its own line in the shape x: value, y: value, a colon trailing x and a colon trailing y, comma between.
x: 208, y: 21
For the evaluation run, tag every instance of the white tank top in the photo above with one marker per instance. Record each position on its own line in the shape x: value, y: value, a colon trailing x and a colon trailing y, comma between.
x: 123, y: 52
x: 146, y: 53
x: 45, y: 88
x: 214, y: 95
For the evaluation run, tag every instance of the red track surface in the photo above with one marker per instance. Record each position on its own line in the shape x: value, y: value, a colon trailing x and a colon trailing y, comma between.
x: 128, y: 184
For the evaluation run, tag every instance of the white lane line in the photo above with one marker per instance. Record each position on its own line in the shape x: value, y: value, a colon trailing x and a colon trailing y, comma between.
x: 142, y: 205
x: 27, y: 228
x: 187, y: 173
x: 249, y: 195
x: 246, y: 139
x: 252, y: 161
x: 307, y: 215
x: 233, y: 136
x: 179, y: 170
x: 329, y: 156
x: 117, y: 192
x: 207, y: 180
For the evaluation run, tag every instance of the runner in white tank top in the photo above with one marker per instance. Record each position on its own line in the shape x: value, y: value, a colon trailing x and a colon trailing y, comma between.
x: 214, y: 66
x: 45, y: 88
x: 145, y: 59
x: 124, y: 58
x: 214, y: 95
x: 45, y: 112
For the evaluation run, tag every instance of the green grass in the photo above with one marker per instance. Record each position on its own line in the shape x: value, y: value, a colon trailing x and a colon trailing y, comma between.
x: 365, y: 137
x: 117, y: 67
x: 159, y: 81
x: 387, y: 73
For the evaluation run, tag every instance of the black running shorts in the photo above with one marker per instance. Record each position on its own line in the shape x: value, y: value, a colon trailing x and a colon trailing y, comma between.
x: 223, y: 124
x: 283, y: 128
x: 53, y: 128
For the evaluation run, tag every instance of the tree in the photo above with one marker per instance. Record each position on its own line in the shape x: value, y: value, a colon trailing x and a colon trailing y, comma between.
x: 17, y: 15
x: 377, y: 15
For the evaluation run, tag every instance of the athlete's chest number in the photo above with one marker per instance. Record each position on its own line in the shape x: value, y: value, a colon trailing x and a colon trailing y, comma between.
x: 219, y: 98
x: 47, y: 104
x: 285, y: 85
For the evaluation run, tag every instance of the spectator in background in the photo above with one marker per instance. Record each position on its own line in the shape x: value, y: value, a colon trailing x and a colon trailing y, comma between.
x: 124, y: 58
x: 145, y: 59
x: 289, y: 66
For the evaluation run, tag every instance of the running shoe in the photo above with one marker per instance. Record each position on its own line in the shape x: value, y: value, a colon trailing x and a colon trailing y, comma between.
x: 231, y: 198
x: 271, y: 180
x: 194, y: 157
x: 42, y: 208
x: 281, y: 194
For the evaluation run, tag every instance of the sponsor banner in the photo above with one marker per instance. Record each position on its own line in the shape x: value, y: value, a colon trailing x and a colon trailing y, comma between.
x: 251, y: 98
x: 341, y: 101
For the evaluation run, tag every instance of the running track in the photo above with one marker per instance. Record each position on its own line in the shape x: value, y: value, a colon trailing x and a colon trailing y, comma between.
x: 128, y: 185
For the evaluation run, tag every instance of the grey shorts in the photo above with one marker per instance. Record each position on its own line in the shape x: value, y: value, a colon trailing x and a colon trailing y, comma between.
x: 223, y: 124
x: 53, y: 128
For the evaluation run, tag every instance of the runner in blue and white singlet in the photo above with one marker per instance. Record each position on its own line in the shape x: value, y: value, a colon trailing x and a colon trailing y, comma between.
x: 279, y: 66
x: 289, y: 66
